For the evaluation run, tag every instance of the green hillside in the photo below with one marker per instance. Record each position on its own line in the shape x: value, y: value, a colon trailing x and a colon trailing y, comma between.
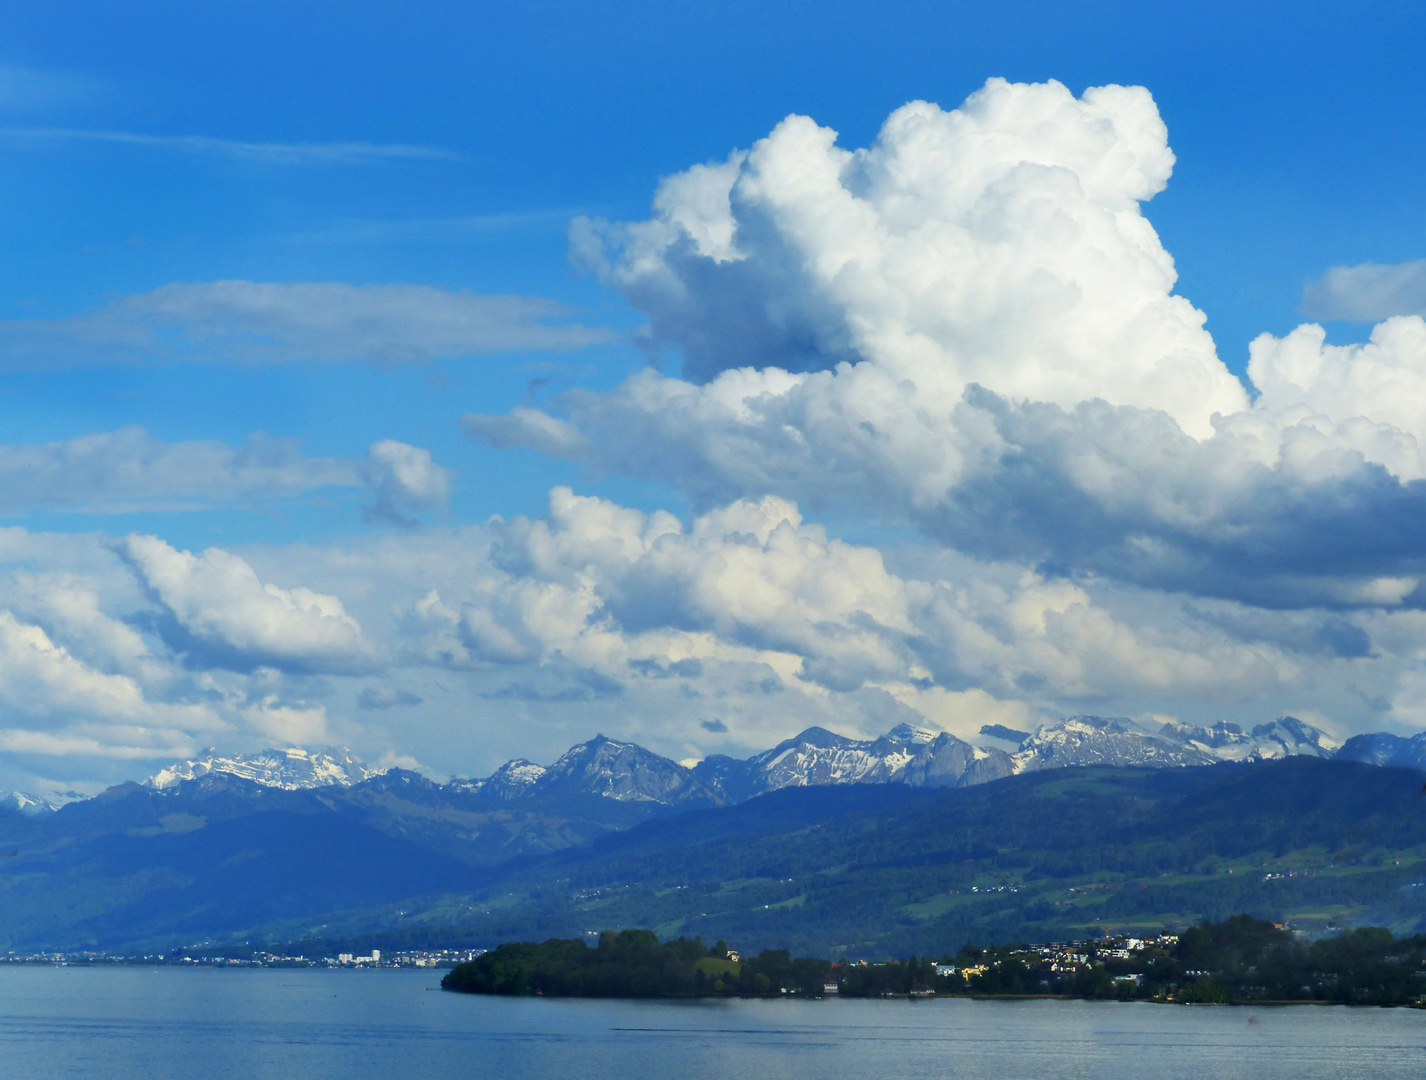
x: 857, y: 870
x: 885, y: 872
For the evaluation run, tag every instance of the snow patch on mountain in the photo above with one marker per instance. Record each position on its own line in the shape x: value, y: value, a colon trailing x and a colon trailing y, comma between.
x: 22, y: 801
x: 603, y: 767
x: 36, y: 804
x: 904, y: 755
x: 626, y: 772
x: 911, y: 736
x: 1286, y: 736
x: 510, y: 781
x: 623, y: 771
x: 292, y: 768
x: 1099, y: 740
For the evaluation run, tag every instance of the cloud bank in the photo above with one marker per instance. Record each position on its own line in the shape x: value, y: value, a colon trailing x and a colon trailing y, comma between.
x: 636, y: 596
x: 963, y: 339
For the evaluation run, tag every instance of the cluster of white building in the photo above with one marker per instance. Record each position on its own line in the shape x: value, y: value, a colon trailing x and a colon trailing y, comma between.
x: 421, y: 958
x: 1070, y: 955
x: 347, y: 959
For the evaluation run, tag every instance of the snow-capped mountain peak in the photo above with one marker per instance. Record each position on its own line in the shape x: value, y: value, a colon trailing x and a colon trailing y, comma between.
x: 37, y: 803
x: 1100, y: 740
x: 290, y: 768
x: 603, y: 767
x: 27, y: 803
x: 622, y: 771
x: 815, y: 757
x: 626, y: 772
x: 510, y: 781
x: 913, y: 736
x: 1284, y: 737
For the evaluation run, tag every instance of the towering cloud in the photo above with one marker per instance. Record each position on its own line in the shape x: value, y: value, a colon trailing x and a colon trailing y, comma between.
x: 1000, y: 244
x: 970, y: 326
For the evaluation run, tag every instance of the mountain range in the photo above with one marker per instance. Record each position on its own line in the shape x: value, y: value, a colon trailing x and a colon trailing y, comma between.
x: 291, y: 768
x: 891, y: 870
x: 28, y: 803
x: 291, y: 843
x: 626, y: 772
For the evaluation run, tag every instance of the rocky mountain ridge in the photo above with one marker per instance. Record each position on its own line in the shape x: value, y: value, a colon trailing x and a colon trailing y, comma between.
x: 1098, y: 740
x: 1286, y: 736
x: 222, y: 853
x: 1381, y: 748
x: 625, y: 772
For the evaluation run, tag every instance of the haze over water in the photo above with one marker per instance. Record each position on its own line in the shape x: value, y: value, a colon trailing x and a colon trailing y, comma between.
x: 173, y: 1024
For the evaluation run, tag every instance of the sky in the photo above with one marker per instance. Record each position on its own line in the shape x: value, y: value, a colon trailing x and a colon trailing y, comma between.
x: 456, y: 382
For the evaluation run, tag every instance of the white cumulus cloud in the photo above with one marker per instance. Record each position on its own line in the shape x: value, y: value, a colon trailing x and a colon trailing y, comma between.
x: 55, y: 704
x: 1374, y: 393
x: 216, y: 609
x: 635, y: 596
x: 970, y: 326
x: 1000, y: 243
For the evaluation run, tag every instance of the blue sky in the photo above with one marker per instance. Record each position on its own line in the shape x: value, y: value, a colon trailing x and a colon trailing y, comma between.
x: 416, y: 160
x: 1293, y: 137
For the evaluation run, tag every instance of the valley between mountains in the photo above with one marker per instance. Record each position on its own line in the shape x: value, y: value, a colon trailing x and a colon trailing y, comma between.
x: 915, y: 842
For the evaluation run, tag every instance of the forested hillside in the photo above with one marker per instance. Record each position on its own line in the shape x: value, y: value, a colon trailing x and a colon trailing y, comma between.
x: 883, y: 871
x: 864, y: 870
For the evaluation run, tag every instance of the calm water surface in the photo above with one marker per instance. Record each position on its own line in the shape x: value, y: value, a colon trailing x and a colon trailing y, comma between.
x: 160, y: 1023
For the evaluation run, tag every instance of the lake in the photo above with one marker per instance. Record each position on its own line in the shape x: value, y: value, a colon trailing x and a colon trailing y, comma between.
x: 128, y: 1023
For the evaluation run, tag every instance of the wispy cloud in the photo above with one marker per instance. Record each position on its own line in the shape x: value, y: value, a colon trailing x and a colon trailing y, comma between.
x: 120, y: 471
x: 300, y: 154
x: 274, y: 322
x: 443, y: 229
x: 1368, y: 292
x: 128, y: 471
x: 24, y: 88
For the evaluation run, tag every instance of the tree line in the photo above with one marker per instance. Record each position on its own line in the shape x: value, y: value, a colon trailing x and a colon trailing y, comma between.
x: 1240, y: 959
x: 634, y: 963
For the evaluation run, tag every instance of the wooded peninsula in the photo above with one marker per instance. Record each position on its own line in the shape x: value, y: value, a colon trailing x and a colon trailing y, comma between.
x: 1239, y: 960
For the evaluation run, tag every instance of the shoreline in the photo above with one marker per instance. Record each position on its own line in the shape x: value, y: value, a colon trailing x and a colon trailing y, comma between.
x: 1273, y: 1003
